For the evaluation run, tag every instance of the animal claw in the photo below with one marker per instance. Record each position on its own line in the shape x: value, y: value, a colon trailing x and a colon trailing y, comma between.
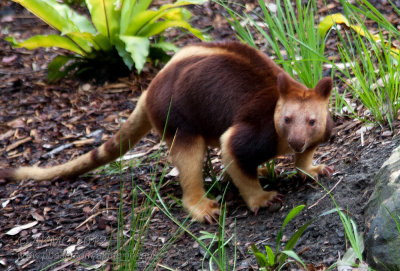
x: 216, y: 213
x: 208, y: 219
x: 328, y: 171
x: 279, y: 198
x: 256, y: 211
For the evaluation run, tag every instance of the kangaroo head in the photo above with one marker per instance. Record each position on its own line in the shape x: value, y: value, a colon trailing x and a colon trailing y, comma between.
x: 301, y: 115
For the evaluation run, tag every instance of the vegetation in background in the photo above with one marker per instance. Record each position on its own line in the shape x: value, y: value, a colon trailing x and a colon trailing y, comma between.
x: 368, y: 63
x: 372, y: 74
x: 74, y: 2
x: 118, y: 29
x: 290, y: 35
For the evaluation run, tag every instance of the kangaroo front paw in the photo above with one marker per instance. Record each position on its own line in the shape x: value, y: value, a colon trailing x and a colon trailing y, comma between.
x: 202, y: 210
x: 263, y: 199
x: 317, y: 171
x: 327, y: 171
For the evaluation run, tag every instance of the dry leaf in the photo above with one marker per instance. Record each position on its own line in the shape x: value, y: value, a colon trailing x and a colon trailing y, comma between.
x: 37, y: 217
x: 18, y: 143
x: 46, y: 210
x: 6, y: 135
x: 69, y: 250
x: 23, y: 248
x: 5, y: 203
x: 20, y: 228
x: 173, y: 173
x: 17, y: 123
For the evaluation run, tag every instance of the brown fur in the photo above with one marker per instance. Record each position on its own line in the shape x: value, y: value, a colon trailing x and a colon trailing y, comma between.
x: 225, y: 94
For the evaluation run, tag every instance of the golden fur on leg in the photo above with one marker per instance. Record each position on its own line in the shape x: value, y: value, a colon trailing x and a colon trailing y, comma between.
x: 188, y: 158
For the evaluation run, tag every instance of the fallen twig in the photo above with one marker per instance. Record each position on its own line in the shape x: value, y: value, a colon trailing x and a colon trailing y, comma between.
x: 327, y: 193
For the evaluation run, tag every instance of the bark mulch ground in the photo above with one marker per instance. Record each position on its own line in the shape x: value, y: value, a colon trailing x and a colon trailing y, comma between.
x: 75, y: 220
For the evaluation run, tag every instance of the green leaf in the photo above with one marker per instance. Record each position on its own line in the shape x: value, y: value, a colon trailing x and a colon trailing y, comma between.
x: 295, y: 237
x: 133, y: 25
x: 156, y: 28
x: 262, y: 260
x: 270, y: 255
x: 48, y: 41
x: 166, y: 46
x: 103, y: 42
x: 159, y: 51
x: 293, y: 255
x: 86, y: 41
x: 125, y: 55
x: 140, y: 6
x: 138, y: 47
x: 288, y: 218
x: 148, y: 17
x: 126, y: 15
x: 106, y: 15
x: 59, y: 16
x: 55, y: 68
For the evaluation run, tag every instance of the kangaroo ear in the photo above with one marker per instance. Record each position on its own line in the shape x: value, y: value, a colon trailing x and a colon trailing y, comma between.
x: 324, y: 87
x: 283, y: 83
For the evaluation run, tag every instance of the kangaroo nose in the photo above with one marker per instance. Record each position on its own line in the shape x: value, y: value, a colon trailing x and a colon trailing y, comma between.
x: 297, y: 144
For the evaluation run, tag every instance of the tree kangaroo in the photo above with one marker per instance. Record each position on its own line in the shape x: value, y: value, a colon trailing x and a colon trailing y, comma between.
x: 223, y: 94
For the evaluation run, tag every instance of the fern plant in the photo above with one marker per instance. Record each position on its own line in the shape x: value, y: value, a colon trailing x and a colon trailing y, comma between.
x: 124, y: 28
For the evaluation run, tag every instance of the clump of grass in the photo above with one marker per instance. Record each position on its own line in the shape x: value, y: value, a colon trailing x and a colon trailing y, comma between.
x: 372, y: 74
x: 290, y: 35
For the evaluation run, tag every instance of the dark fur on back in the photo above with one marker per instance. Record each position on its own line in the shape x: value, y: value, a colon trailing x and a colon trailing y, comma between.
x: 209, y: 93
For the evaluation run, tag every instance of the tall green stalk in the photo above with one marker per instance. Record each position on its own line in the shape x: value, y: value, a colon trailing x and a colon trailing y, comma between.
x: 290, y: 34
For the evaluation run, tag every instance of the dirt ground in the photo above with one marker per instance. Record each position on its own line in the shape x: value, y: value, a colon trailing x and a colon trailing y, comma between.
x: 36, y: 118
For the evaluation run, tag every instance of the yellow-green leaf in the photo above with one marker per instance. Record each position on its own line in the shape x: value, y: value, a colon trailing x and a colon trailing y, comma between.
x: 57, y: 15
x: 339, y: 18
x: 106, y: 15
x: 48, y: 41
x: 329, y: 21
x: 156, y: 28
x: 140, y: 20
x: 144, y: 18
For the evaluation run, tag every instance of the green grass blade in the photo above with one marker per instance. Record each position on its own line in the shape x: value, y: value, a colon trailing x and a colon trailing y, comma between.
x: 288, y: 218
x: 292, y: 254
x: 57, y: 69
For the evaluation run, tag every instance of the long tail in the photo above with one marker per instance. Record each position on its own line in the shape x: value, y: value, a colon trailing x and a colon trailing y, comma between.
x: 136, y: 127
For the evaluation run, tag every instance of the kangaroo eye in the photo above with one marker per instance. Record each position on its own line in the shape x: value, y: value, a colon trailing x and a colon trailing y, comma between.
x: 311, y: 122
x: 287, y: 120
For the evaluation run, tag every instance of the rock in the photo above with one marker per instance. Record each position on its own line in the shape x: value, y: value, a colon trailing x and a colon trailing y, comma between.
x: 382, y: 242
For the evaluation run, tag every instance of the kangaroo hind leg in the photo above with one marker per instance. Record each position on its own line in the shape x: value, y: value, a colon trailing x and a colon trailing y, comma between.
x: 188, y: 157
